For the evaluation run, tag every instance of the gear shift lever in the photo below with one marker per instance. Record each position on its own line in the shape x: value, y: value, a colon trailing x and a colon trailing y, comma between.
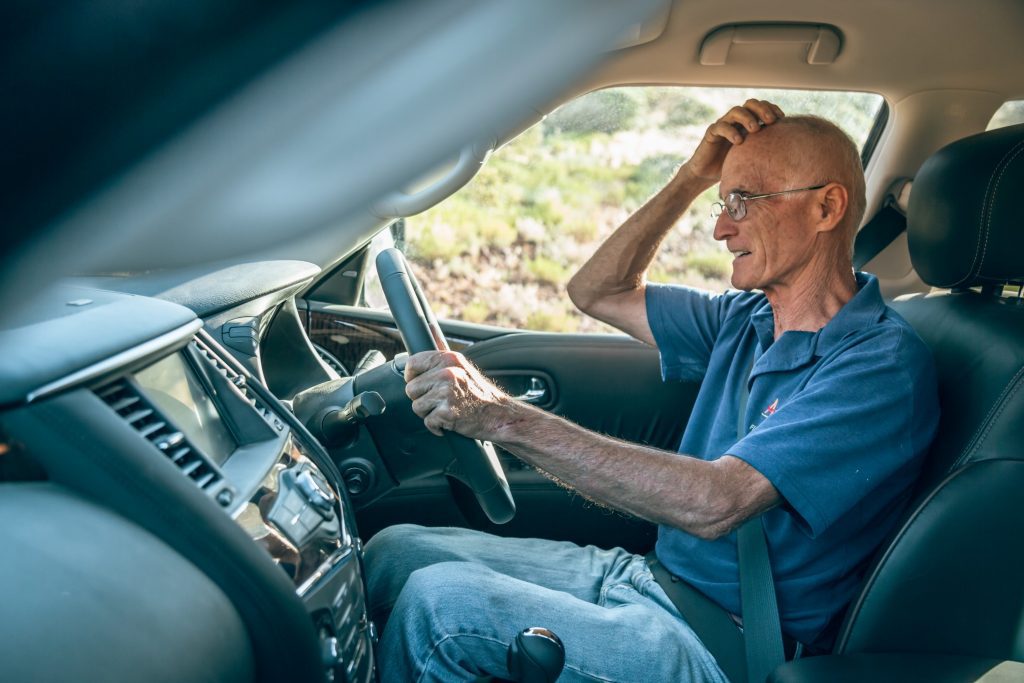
x: 536, y: 655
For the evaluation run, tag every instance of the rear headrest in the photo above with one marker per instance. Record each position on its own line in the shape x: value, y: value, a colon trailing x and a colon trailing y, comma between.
x: 965, y: 223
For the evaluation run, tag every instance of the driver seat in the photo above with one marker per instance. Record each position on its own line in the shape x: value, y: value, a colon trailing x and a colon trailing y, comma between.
x: 944, y: 601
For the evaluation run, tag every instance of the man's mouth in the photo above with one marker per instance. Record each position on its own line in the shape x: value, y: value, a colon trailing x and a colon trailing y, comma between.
x: 739, y: 253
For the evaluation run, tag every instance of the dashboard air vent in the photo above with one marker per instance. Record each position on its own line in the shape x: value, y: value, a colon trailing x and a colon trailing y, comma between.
x: 232, y: 375
x: 147, y: 421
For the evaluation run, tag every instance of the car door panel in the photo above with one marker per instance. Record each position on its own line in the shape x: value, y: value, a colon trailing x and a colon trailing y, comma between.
x: 608, y: 383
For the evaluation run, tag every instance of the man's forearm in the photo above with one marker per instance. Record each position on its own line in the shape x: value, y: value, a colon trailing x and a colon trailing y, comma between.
x: 621, y: 261
x: 707, y: 499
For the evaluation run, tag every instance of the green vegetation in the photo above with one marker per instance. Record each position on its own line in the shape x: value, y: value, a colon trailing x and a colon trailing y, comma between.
x: 475, y: 312
x: 501, y: 250
x: 552, y: 319
x: 604, y: 111
x: 548, y: 271
x: 649, y: 176
x: 714, y: 265
x: 679, y: 107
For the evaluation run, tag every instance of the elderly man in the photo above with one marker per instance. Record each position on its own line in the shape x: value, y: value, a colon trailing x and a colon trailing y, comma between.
x: 839, y: 406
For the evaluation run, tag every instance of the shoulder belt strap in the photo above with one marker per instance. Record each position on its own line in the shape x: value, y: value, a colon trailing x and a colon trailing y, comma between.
x: 762, y: 628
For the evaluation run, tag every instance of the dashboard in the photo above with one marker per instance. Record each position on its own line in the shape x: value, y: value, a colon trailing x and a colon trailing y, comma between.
x: 143, y: 402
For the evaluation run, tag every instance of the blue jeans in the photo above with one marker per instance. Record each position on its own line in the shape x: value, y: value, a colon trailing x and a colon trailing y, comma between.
x: 457, y: 598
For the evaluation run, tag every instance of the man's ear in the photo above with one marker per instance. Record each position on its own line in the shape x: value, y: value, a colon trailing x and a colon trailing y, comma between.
x: 830, y: 205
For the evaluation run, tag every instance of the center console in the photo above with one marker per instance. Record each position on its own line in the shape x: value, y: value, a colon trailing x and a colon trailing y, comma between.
x: 246, y: 452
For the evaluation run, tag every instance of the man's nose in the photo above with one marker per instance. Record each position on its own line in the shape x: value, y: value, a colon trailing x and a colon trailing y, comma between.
x: 725, y: 227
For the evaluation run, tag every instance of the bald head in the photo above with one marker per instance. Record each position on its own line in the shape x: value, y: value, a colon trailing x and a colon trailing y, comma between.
x: 809, y: 150
x: 821, y: 146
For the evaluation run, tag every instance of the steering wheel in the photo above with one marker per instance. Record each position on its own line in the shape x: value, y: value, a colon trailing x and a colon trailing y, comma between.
x: 477, y: 463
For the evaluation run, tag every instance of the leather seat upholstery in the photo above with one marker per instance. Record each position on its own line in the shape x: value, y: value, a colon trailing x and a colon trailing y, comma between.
x: 966, y: 228
x: 951, y: 582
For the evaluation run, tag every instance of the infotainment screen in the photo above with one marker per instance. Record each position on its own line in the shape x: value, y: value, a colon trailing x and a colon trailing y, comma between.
x: 174, y: 389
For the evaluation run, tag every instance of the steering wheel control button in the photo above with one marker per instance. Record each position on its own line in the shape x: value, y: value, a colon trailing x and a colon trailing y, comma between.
x: 399, y: 362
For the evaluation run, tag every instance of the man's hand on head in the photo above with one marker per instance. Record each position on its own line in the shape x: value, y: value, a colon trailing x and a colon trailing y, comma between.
x: 732, y: 129
x: 450, y: 393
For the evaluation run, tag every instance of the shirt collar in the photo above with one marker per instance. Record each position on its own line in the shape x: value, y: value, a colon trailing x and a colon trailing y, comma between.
x: 796, y: 348
x: 863, y: 310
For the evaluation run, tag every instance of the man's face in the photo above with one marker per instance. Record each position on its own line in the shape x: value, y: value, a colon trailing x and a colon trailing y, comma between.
x: 775, y: 241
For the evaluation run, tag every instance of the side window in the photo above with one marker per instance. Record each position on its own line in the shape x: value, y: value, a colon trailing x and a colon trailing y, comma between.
x: 1010, y: 114
x: 501, y: 250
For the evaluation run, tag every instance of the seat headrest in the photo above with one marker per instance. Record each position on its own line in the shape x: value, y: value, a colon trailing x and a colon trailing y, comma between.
x: 965, y: 223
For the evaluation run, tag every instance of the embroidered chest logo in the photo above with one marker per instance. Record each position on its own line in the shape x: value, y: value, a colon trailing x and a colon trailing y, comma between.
x: 770, y: 410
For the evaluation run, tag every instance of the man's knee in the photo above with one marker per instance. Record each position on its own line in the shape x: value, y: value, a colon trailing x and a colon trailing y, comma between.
x: 437, y: 585
x: 390, y: 557
x: 389, y: 541
x: 449, y: 598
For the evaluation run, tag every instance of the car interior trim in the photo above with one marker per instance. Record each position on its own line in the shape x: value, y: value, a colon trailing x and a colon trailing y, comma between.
x: 165, y: 342
x: 875, y: 134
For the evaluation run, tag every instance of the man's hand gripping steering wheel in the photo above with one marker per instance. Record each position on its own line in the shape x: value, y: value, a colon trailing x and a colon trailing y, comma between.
x: 447, y: 391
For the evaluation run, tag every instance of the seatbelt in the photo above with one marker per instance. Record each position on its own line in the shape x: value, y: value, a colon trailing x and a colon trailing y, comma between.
x: 753, y: 654
x: 881, y: 230
x: 762, y: 628
x: 712, y: 624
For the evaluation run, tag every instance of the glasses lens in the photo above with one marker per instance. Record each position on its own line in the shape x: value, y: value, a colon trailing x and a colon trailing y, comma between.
x: 735, y: 205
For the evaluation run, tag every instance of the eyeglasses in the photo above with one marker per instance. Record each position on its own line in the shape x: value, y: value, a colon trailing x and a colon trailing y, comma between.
x: 735, y: 203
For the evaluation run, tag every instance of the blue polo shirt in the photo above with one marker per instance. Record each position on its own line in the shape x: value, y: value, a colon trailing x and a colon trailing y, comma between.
x: 838, y: 420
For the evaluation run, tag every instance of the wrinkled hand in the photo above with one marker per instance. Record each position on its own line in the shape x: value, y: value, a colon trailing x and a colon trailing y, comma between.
x: 732, y: 129
x: 450, y: 393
